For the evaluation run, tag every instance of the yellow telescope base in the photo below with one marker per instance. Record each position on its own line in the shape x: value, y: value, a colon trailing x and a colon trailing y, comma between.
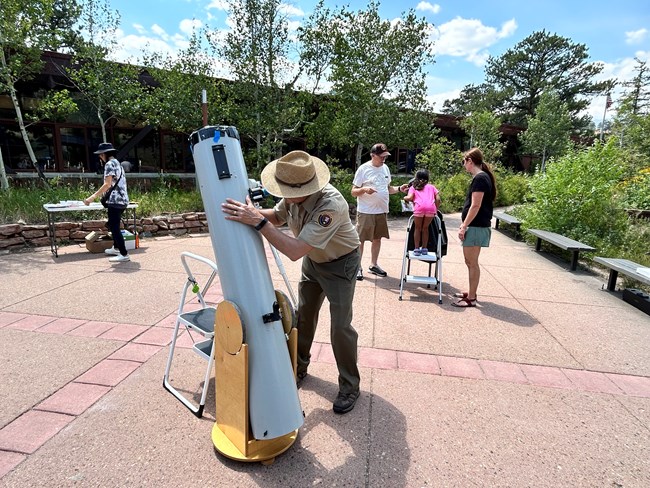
x: 260, y: 451
x: 231, y: 433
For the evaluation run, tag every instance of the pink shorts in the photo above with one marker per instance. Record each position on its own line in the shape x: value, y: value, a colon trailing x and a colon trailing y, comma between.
x: 425, y: 211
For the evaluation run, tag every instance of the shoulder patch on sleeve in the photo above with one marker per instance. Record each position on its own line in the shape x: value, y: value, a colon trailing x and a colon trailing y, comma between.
x: 324, y: 220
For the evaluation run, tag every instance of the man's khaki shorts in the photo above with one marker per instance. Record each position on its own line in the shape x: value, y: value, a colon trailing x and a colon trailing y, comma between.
x: 372, y: 226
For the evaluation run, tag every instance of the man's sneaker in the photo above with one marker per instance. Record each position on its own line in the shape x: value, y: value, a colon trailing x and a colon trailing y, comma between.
x: 300, y: 377
x: 119, y: 259
x: 377, y: 270
x: 416, y: 251
x: 345, y: 401
x: 111, y: 251
x: 424, y: 251
x: 359, y: 275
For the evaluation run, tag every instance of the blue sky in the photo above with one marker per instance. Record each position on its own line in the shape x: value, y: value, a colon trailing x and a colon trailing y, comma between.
x: 465, y: 32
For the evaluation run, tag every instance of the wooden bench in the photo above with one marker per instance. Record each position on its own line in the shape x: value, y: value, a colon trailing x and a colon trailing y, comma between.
x: 624, y: 266
x: 508, y: 219
x: 562, y: 242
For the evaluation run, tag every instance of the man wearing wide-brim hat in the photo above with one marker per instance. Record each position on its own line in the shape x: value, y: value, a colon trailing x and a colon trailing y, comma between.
x: 323, y: 235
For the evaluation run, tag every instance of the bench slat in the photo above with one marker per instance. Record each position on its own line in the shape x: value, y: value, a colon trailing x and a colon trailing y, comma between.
x: 506, y: 218
x: 561, y: 241
x: 624, y: 266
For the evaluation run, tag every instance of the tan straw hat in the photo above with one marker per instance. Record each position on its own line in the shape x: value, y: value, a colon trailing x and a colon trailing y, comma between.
x: 296, y: 174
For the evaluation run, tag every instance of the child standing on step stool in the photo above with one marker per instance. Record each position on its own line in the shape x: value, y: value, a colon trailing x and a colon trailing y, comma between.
x: 426, y: 199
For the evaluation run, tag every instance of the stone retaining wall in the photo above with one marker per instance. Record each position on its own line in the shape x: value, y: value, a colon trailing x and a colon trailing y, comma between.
x: 18, y: 236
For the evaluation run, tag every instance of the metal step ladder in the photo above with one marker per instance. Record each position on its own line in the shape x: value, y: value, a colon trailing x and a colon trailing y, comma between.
x: 433, y: 257
x: 201, y: 323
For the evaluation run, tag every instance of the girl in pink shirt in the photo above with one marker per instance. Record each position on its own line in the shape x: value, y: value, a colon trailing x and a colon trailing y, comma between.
x: 425, y: 200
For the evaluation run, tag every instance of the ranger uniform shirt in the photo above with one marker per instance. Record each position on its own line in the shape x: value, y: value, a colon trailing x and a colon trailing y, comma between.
x: 323, y: 222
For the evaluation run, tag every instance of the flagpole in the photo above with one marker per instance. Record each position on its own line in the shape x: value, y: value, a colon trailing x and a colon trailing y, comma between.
x: 608, y: 102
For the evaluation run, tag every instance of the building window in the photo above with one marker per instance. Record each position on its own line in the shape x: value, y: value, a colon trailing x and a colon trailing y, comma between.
x: 145, y: 156
x: 176, y: 155
x: 74, y: 149
x: 14, y: 151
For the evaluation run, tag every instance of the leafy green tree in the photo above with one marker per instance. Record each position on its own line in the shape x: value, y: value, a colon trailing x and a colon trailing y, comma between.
x: 441, y: 157
x: 515, y: 81
x: 53, y: 105
x: 316, y: 40
x: 27, y: 28
x: 113, y: 90
x: 637, y: 90
x: 475, y: 98
x: 632, y: 122
x: 483, y: 129
x: 375, y: 87
x: 540, y: 62
x: 549, y: 131
x: 257, y: 52
x: 175, y: 100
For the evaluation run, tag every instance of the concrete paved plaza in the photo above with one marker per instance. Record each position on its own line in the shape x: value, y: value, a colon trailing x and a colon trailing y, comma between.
x: 545, y: 383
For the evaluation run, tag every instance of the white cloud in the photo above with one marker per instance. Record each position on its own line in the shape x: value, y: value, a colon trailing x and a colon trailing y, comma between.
x: 230, y: 23
x: 156, y: 29
x: 218, y: 5
x: 132, y: 47
x: 427, y: 7
x: 437, y: 100
x: 636, y: 37
x: 469, y: 38
x: 290, y: 10
x: 293, y: 25
x: 188, y: 26
x: 139, y: 28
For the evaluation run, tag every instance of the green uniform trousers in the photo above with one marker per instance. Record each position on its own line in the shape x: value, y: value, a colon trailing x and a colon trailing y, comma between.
x: 335, y: 281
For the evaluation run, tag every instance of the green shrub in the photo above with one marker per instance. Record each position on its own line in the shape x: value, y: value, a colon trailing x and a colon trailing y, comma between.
x: 453, y: 191
x: 161, y: 201
x: 26, y: 203
x: 575, y: 198
x: 637, y: 242
x: 512, y: 188
x: 441, y: 158
x: 341, y: 179
x: 634, y: 192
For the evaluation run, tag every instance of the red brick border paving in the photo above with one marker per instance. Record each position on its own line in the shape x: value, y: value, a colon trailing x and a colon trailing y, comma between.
x: 9, y: 460
x: 31, y: 430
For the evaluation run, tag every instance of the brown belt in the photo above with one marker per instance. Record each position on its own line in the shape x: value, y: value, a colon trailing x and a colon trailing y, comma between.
x: 356, y: 250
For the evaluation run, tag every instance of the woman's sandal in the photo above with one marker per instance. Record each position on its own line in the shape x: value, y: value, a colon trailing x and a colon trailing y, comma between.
x: 464, y: 303
x: 463, y: 294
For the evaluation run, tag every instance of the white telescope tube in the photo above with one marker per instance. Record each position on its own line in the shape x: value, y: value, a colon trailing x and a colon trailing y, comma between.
x: 246, y: 281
